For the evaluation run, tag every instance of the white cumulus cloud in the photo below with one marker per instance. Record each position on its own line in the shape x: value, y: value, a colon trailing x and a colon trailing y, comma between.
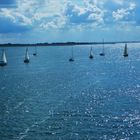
x: 124, y: 12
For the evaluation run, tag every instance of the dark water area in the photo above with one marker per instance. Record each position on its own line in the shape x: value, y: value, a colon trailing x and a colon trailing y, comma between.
x: 54, y: 99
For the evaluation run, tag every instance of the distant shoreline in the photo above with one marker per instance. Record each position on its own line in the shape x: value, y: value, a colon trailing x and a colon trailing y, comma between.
x: 64, y: 44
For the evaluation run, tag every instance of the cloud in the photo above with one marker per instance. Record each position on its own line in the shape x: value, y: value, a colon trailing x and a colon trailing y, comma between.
x: 87, y: 14
x: 124, y: 13
x: 16, y: 17
x: 55, y: 14
x: 120, y: 14
x: 39, y: 16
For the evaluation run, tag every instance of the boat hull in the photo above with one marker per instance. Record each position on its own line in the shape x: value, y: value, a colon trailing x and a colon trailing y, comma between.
x: 34, y: 54
x: 102, y: 54
x: 91, y: 57
x: 3, y: 64
x: 71, y: 59
x: 26, y: 61
x: 125, y: 55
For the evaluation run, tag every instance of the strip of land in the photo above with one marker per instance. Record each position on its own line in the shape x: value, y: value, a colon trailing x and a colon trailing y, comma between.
x: 64, y: 43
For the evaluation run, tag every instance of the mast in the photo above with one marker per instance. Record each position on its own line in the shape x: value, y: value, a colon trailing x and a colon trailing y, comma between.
x: 103, y: 51
x: 103, y: 45
x: 91, y: 50
x: 72, y: 56
x: 72, y: 53
x: 35, y: 51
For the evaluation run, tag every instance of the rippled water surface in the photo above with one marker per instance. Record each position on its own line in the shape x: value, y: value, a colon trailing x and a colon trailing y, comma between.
x: 51, y: 98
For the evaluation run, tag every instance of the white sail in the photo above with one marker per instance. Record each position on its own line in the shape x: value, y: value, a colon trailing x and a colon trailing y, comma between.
x: 3, y: 60
x: 91, y: 53
x: 4, y: 57
x: 27, y: 59
x: 27, y: 55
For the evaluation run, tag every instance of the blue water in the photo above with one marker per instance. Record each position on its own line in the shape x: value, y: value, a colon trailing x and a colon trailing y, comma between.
x: 53, y: 99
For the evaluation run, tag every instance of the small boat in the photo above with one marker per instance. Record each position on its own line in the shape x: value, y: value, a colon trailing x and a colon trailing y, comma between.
x: 35, y: 53
x: 103, y: 50
x: 3, y: 61
x: 125, y: 54
x: 27, y: 59
x: 91, y: 54
x: 72, y: 57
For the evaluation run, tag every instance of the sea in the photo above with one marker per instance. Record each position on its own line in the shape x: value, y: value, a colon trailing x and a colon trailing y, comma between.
x: 54, y: 99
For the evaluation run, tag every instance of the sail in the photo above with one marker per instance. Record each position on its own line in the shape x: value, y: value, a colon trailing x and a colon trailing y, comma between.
x: 3, y: 60
x: 91, y: 53
x: 125, y: 50
x: 4, y: 57
x: 27, y: 55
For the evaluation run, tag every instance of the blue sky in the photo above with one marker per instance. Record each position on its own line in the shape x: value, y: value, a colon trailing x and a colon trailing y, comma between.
x: 31, y: 21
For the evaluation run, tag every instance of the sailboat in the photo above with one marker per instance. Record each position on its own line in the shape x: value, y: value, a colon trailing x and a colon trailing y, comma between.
x: 35, y: 53
x: 91, y: 54
x: 72, y: 57
x: 102, y: 53
x: 27, y: 59
x: 125, y: 54
x: 3, y: 60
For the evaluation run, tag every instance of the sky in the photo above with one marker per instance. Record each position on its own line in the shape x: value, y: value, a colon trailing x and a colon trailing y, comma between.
x: 32, y: 21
